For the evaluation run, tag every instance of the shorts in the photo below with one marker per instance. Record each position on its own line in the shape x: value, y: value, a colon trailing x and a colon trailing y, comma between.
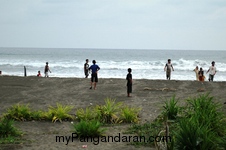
x: 94, y: 77
x: 46, y: 74
x: 168, y: 74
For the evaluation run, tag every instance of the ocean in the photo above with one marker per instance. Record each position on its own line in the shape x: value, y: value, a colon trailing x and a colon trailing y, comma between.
x: 113, y: 63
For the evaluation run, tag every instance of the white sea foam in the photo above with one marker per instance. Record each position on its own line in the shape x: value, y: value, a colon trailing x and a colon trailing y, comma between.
x: 69, y: 63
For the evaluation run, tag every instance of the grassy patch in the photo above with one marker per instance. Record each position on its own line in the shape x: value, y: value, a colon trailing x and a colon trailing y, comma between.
x: 59, y: 113
x: 200, y: 126
x: 8, y: 133
x: 88, y: 128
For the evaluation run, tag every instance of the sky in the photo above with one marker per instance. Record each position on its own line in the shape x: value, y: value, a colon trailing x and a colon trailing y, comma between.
x: 114, y: 24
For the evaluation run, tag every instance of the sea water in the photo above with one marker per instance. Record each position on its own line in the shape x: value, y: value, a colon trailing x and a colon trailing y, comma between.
x: 145, y: 64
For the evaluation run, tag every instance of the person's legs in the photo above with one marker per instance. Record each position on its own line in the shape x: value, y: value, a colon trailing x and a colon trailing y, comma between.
x: 96, y: 80
x: 92, y: 79
x: 210, y: 77
x: 129, y: 90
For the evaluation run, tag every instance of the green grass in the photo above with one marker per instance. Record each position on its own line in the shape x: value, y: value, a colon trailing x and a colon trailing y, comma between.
x: 88, y: 128
x: 8, y: 133
x: 171, y: 109
x: 18, y: 112
x: 59, y: 113
x: 88, y: 113
x: 201, y: 125
x: 109, y: 112
x: 130, y: 114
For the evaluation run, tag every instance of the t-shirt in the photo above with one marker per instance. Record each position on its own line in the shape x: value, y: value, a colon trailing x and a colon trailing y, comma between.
x: 212, y: 70
x: 168, y: 67
x: 86, y: 66
x: 129, y: 78
x: 94, y: 68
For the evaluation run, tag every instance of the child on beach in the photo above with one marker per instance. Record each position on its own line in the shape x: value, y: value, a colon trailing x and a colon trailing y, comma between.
x: 39, y: 74
x: 196, y: 70
x: 47, y: 70
x: 167, y: 68
x: 86, y: 68
x: 212, y: 71
x: 129, y: 82
x: 94, y: 78
x: 201, y: 75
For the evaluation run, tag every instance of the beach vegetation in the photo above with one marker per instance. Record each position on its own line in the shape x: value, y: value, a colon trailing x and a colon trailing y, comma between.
x: 19, y: 112
x: 171, y: 108
x: 89, y: 113
x: 201, y: 125
x: 8, y: 132
x: 109, y: 112
x: 91, y: 128
x: 130, y: 114
x: 59, y: 113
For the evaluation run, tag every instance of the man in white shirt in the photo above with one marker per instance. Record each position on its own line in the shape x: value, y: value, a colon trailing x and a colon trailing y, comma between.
x: 212, y: 71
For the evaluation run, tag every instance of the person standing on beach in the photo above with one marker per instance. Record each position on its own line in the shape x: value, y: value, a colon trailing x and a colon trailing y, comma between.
x: 212, y: 71
x: 167, y: 68
x: 47, y: 70
x: 94, y: 78
x: 129, y: 82
x: 86, y: 68
x: 201, y: 75
x: 196, y: 70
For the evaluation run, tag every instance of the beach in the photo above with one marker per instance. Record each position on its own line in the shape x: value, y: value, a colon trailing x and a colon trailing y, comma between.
x: 40, y: 93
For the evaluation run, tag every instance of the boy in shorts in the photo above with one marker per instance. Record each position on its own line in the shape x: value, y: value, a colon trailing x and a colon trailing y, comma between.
x: 94, y: 78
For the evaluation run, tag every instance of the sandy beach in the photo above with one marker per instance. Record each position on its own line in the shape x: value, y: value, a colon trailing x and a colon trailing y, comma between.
x: 40, y: 93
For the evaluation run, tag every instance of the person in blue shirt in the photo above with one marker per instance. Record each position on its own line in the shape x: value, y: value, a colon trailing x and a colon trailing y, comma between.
x: 94, y: 79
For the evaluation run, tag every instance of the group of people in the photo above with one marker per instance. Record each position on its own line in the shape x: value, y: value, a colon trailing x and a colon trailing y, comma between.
x: 168, y: 68
x: 46, y: 71
x: 200, y: 73
x: 94, y: 78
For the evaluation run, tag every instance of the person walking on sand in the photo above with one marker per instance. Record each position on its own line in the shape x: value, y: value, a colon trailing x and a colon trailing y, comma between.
x: 129, y: 82
x: 196, y: 70
x: 47, y: 70
x: 167, y: 68
x: 201, y: 75
x: 212, y: 71
x: 86, y: 68
x: 94, y: 78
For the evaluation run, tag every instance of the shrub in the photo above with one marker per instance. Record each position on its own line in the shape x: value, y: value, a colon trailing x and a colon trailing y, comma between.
x: 59, y: 113
x: 109, y: 113
x: 19, y: 112
x: 193, y: 136
x: 171, y: 108
x: 86, y: 114
x: 7, y: 128
x: 130, y: 114
x: 203, y: 127
x: 88, y: 128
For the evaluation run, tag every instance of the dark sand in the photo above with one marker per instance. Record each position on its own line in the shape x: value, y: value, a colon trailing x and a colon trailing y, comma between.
x: 40, y: 93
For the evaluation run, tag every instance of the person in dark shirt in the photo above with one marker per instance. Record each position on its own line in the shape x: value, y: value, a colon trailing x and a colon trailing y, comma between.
x: 86, y: 68
x: 94, y: 78
x: 129, y: 82
x: 47, y: 70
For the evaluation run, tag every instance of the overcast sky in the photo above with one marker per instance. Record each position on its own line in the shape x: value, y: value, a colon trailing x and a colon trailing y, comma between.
x: 124, y: 24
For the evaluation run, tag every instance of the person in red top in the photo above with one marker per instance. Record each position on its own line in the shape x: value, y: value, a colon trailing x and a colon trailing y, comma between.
x: 39, y: 74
